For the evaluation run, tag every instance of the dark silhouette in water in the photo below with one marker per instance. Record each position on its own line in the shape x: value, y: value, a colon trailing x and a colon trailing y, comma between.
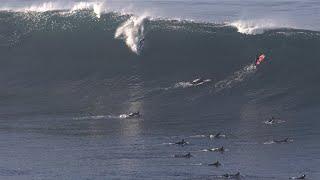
x: 217, y: 164
x: 237, y: 175
x: 272, y: 120
x: 197, y: 81
x: 300, y: 177
x: 188, y: 155
x: 221, y: 149
x: 141, y: 43
x: 134, y: 114
x: 182, y: 142
x: 286, y: 140
x: 217, y: 136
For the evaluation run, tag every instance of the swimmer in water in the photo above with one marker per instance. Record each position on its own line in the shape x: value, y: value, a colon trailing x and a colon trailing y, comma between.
x: 272, y: 120
x: 217, y: 164
x: 286, y: 140
x: 134, y: 114
x: 237, y: 175
x: 182, y: 142
x: 221, y: 149
x: 197, y: 81
x: 188, y: 155
x: 300, y: 177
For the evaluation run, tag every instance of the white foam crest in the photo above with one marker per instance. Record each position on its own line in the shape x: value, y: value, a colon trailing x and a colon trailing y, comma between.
x: 97, y: 7
x: 132, y: 31
x: 44, y: 7
x: 269, y: 142
x: 123, y: 116
x: 183, y: 85
x: 253, y: 27
x: 96, y: 117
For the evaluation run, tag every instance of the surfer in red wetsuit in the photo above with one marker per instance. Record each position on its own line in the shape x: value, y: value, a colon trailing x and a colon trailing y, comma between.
x: 260, y: 59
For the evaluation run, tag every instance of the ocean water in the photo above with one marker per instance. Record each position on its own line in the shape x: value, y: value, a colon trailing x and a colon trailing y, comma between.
x: 72, y: 71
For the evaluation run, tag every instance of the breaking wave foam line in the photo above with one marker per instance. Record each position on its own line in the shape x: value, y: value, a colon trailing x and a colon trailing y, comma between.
x: 132, y: 32
x: 253, y: 27
x: 250, y: 27
x: 97, y: 7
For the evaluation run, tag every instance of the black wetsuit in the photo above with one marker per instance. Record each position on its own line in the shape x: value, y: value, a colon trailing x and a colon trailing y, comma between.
x: 141, y: 43
x: 282, y: 141
x: 135, y: 114
x: 183, y: 156
x: 182, y: 142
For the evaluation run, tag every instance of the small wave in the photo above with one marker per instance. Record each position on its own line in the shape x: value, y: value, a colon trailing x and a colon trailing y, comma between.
x: 278, y: 142
x: 196, y: 164
x: 183, y: 85
x: 198, y: 136
x: 132, y: 31
x: 92, y: 117
x: 168, y: 143
x: 269, y: 142
x: 97, y: 117
x: 213, y: 136
x: 213, y: 150
x: 123, y: 116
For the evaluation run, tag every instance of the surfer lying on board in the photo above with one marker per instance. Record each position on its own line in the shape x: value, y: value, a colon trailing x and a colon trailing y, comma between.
x: 260, y: 59
x: 300, y: 177
x: 134, y: 114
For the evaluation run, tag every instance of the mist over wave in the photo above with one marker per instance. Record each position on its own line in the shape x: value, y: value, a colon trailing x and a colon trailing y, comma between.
x: 97, y: 7
x: 255, y: 27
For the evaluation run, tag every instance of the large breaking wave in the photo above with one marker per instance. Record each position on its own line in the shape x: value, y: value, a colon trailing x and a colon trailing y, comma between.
x: 82, y: 58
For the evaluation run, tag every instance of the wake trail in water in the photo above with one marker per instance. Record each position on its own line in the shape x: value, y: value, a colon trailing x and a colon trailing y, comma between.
x: 98, y: 117
x: 235, y: 78
x: 227, y: 83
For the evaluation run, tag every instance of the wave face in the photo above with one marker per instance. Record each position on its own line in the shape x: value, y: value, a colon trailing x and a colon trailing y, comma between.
x: 69, y: 79
x: 75, y: 63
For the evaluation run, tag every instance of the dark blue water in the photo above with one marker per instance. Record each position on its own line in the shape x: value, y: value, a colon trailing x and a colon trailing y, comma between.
x: 68, y: 79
